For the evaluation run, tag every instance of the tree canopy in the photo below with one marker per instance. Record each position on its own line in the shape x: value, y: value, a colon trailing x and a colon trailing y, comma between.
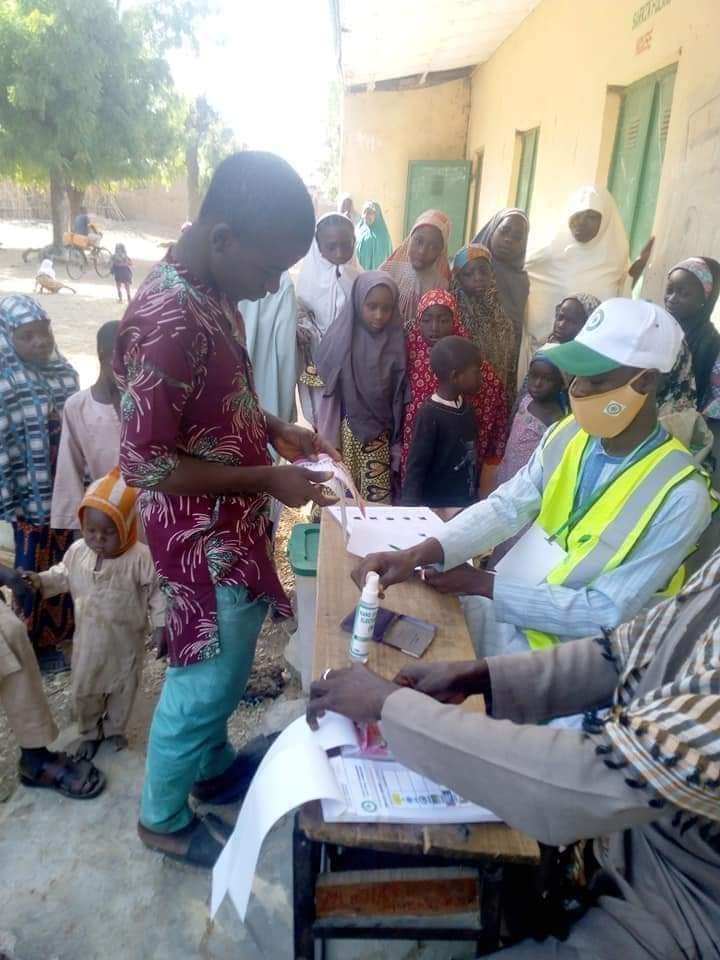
x: 208, y: 141
x: 87, y: 96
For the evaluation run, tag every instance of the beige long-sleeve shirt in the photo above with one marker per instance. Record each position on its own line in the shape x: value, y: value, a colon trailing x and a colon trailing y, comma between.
x: 89, y: 448
x: 115, y: 609
x: 552, y: 784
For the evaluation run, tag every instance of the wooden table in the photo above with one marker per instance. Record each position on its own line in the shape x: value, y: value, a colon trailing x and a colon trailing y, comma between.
x: 493, y: 844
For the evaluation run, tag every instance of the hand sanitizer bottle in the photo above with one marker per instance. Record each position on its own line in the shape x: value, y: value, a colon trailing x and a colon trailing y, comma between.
x: 365, y: 616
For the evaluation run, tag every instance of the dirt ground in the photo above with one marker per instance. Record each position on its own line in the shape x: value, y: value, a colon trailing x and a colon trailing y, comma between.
x: 75, y: 320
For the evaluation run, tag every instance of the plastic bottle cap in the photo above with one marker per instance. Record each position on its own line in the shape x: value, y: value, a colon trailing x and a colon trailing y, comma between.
x: 371, y: 590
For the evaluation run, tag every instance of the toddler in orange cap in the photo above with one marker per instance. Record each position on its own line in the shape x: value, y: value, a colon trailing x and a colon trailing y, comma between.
x: 117, y: 600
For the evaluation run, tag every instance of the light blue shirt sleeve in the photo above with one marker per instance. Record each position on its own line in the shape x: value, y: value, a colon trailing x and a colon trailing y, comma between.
x: 617, y: 596
x: 504, y: 513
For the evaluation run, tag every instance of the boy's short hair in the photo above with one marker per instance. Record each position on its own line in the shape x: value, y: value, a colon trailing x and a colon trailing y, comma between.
x: 257, y: 194
x: 453, y: 355
x: 106, y: 337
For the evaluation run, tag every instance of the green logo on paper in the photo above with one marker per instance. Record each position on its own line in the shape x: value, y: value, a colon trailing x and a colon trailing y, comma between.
x: 369, y: 806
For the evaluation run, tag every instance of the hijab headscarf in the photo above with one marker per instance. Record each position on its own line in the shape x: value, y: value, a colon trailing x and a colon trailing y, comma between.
x: 373, y: 240
x: 511, y: 278
x: 28, y: 395
x: 413, y: 284
x: 587, y: 301
x: 351, y: 214
x: 702, y: 337
x: 366, y: 369
x: 485, y: 321
x: 322, y: 286
x: 46, y: 268
x: 598, y: 267
x: 489, y: 404
x: 111, y: 496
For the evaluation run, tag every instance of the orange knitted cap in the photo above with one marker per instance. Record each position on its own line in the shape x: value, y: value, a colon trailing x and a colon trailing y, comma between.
x: 111, y: 495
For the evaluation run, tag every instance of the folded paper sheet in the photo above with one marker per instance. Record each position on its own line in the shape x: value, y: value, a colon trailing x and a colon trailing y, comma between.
x: 297, y: 770
x: 387, y: 528
x: 294, y: 771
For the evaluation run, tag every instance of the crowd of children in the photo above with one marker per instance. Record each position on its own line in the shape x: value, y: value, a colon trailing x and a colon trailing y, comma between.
x: 412, y: 369
x: 411, y: 428
x: 482, y: 297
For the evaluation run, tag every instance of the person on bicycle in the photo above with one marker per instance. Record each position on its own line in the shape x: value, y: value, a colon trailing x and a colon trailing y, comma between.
x: 81, y: 223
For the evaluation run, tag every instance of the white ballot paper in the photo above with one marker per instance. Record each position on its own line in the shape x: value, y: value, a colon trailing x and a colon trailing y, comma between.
x: 294, y: 771
x: 387, y: 528
x: 532, y: 558
x: 297, y: 770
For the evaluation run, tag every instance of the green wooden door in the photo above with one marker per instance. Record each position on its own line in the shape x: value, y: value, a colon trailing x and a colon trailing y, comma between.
x: 526, y: 173
x: 638, y: 154
x: 439, y: 185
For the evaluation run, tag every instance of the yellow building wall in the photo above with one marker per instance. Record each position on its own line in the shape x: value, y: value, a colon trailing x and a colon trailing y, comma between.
x: 555, y: 72
x: 384, y: 130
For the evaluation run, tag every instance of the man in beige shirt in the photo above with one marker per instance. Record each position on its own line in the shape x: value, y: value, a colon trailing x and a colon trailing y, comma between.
x: 645, y: 786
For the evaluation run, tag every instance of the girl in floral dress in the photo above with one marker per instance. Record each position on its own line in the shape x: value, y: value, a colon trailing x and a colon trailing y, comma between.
x: 437, y: 317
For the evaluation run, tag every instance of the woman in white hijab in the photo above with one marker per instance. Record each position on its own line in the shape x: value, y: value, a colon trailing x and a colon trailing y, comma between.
x: 326, y: 278
x: 589, y: 252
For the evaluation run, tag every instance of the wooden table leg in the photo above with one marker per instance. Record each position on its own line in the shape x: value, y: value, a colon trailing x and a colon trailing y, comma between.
x: 306, y: 866
x: 490, y: 909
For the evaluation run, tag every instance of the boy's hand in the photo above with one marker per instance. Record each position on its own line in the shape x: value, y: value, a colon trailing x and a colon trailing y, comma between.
x: 296, y: 486
x: 23, y: 585
x: 295, y: 443
x: 159, y: 640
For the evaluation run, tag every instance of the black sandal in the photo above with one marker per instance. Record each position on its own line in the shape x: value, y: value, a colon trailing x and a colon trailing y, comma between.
x: 61, y: 774
x: 207, y: 836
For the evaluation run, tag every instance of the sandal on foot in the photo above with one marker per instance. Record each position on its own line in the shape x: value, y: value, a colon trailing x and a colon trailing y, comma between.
x: 203, y: 840
x: 232, y: 785
x: 66, y: 776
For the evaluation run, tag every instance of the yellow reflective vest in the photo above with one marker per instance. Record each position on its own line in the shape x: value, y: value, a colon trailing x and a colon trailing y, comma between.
x: 605, y: 533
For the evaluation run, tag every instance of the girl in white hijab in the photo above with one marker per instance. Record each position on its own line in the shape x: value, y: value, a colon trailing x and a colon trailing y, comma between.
x: 589, y: 252
x: 326, y: 278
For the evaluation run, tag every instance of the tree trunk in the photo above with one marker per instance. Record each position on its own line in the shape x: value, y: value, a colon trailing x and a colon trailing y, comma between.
x: 76, y: 196
x: 193, y: 178
x: 57, y: 205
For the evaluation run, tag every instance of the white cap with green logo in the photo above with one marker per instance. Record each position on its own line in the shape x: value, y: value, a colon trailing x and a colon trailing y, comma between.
x: 621, y: 333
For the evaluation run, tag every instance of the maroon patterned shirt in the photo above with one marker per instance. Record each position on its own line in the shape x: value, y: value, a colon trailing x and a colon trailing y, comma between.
x: 187, y: 387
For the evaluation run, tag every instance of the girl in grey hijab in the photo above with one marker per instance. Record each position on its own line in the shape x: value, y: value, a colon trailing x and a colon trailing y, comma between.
x: 362, y: 363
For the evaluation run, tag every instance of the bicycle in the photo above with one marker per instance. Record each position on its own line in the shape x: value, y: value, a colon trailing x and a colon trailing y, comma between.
x: 81, y: 251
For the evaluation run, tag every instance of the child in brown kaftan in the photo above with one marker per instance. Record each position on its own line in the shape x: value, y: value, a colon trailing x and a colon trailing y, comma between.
x: 117, y: 602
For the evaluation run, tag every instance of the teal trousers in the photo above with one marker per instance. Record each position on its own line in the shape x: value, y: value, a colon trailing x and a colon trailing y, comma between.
x: 188, y: 735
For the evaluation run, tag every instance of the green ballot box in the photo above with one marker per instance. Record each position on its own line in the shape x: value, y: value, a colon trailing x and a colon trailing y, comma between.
x: 303, y: 554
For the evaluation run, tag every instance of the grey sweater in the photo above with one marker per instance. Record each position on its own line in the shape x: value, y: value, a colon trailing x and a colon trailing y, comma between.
x: 551, y: 784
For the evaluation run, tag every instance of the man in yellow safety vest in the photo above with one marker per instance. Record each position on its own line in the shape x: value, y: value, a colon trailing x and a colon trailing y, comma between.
x: 613, y: 504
